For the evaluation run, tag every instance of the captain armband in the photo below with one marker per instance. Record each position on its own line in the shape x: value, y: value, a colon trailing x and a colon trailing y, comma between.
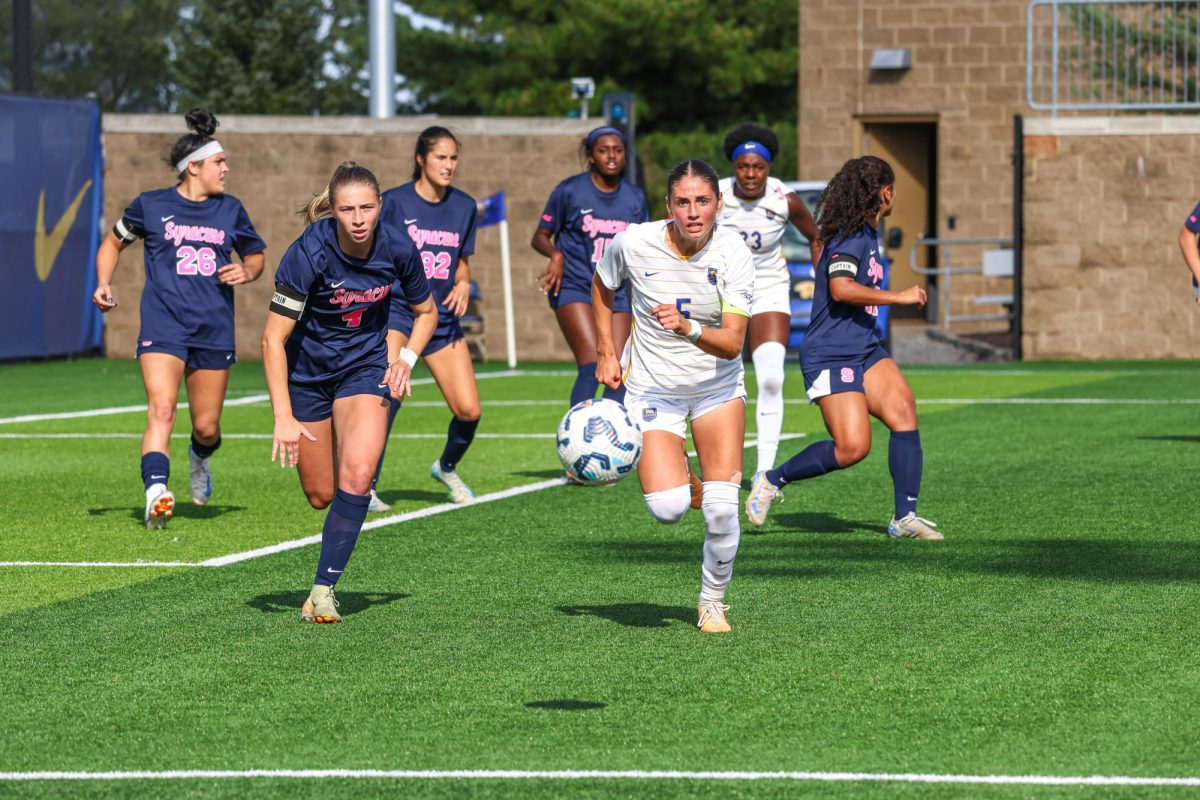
x: 126, y: 232
x: 287, y: 302
x: 843, y: 265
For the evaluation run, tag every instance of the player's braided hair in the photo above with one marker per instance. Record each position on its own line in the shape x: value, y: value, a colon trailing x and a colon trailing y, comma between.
x: 852, y: 197
x: 202, y: 125
x: 425, y: 142
x: 695, y: 168
x: 749, y: 132
x: 348, y: 173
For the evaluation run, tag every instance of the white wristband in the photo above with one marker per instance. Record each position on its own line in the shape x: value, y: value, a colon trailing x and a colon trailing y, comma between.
x: 694, y: 334
x: 408, y: 357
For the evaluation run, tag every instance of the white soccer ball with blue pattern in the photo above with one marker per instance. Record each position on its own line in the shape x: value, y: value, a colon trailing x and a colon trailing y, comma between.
x: 598, y: 442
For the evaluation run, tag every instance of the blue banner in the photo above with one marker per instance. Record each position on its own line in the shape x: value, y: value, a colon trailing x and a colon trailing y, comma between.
x: 491, y: 210
x: 51, y: 168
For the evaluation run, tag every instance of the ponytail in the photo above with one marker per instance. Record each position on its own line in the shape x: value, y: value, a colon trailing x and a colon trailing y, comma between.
x: 348, y: 173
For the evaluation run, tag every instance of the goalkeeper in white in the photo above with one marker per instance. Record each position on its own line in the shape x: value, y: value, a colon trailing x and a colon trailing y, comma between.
x: 692, y: 289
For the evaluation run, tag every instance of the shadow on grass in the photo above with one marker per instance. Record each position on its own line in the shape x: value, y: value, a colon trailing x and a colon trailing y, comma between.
x: 415, y: 495
x: 348, y: 602
x: 807, y: 556
x: 1107, y: 561
x: 540, y: 474
x: 1180, y: 438
x: 567, y: 705
x: 633, y: 615
x: 812, y: 522
x: 183, y: 509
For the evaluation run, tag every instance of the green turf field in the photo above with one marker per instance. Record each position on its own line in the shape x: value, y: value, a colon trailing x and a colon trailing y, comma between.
x: 1053, y: 633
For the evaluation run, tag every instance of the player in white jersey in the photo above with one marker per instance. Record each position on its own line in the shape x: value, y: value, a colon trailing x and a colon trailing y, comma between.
x: 759, y: 208
x: 692, y: 290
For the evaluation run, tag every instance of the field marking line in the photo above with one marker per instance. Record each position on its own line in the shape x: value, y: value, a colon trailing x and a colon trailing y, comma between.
x: 99, y: 564
x: 251, y: 399
x: 627, y: 775
x: 292, y: 544
x: 257, y: 436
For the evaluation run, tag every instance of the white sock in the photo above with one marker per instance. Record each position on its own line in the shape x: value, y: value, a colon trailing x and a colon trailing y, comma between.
x: 769, y: 358
x: 669, y: 505
x: 721, y: 539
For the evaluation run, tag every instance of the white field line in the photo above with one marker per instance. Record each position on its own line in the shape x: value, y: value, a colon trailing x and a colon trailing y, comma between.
x: 394, y: 519
x: 605, y: 775
x: 258, y: 397
x: 266, y: 436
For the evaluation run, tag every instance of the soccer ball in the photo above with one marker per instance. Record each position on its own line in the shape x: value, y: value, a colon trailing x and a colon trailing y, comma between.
x: 598, y: 442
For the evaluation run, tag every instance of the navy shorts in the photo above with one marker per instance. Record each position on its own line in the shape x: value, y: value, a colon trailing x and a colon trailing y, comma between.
x: 448, y: 331
x: 314, y: 402
x: 192, y: 357
x: 846, y: 376
x: 574, y: 292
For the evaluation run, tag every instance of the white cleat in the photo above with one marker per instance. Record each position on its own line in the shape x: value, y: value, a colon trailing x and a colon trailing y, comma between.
x: 376, y: 504
x: 913, y: 527
x: 160, y: 505
x: 200, y: 477
x: 459, y: 492
x: 762, y: 494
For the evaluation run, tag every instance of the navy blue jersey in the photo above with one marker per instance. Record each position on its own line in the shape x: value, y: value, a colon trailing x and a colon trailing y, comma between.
x: 1193, y: 220
x: 841, y: 332
x: 342, y: 302
x: 442, y: 232
x: 184, y: 302
x: 583, y: 220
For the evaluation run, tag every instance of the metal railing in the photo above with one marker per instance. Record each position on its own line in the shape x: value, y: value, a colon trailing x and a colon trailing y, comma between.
x: 997, y: 263
x: 1112, y: 55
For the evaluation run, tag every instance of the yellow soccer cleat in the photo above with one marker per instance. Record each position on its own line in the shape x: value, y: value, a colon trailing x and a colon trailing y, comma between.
x: 712, y: 617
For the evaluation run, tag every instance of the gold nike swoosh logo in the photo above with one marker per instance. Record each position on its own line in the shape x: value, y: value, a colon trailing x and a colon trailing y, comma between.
x: 47, y: 244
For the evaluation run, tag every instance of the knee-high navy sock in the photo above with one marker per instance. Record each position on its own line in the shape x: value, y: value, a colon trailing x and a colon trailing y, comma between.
x: 905, y: 461
x: 342, y: 524
x: 156, y: 468
x: 458, y: 439
x: 392, y: 409
x: 617, y: 394
x: 814, y: 460
x: 204, y: 450
x: 585, y: 383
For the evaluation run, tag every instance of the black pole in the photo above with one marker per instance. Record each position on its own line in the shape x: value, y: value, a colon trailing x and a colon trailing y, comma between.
x: 22, y: 47
x: 1018, y: 231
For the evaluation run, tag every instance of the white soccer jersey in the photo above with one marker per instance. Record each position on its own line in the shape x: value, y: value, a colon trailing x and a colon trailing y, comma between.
x: 718, y: 279
x: 761, y: 223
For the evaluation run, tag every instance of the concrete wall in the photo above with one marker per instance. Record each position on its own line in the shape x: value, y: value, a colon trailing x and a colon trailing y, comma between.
x: 1104, y: 201
x: 277, y: 163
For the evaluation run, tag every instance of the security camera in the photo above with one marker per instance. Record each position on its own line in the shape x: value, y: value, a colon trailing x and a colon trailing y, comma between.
x: 582, y: 88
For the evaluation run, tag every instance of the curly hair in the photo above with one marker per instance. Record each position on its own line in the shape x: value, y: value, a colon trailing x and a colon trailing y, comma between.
x: 202, y: 125
x: 749, y: 132
x: 852, y: 197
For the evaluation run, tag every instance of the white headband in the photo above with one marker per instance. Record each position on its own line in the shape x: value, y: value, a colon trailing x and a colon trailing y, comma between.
x: 210, y: 149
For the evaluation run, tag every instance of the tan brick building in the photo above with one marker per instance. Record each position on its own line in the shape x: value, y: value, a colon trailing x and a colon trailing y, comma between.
x: 1104, y: 197
x: 277, y: 163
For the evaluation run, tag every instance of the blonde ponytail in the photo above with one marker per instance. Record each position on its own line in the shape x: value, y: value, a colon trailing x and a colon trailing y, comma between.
x: 348, y: 173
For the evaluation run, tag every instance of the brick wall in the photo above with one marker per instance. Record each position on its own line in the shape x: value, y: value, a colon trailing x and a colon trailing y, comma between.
x: 277, y: 163
x: 1104, y: 202
x: 968, y: 74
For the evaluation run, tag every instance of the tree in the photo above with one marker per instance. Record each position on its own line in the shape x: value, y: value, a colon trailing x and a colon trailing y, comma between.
x: 271, y: 57
x: 691, y: 62
x: 116, y: 50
